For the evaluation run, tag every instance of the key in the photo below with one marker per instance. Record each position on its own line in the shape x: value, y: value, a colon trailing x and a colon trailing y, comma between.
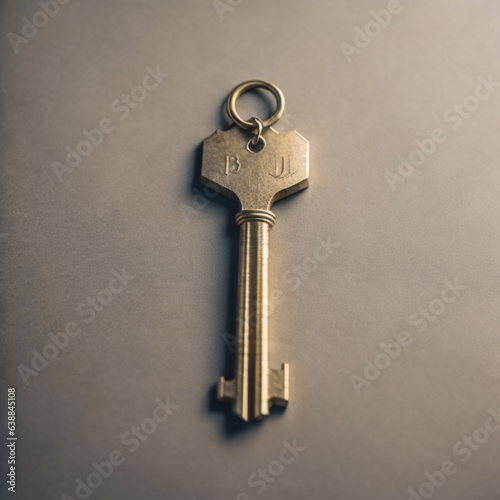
x: 257, y: 165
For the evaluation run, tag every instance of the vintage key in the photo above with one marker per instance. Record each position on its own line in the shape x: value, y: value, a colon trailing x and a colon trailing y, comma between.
x: 258, y: 166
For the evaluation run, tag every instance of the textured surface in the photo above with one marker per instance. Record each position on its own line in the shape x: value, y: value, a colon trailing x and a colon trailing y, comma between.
x: 353, y: 259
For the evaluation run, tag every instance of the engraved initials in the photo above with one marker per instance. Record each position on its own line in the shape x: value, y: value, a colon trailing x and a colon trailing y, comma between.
x: 232, y: 164
x: 282, y: 169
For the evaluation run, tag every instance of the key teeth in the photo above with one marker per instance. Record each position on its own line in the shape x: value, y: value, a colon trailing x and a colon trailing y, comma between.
x: 226, y: 390
x: 279, y: 385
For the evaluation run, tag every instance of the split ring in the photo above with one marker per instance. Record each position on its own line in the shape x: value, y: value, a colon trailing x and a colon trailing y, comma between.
x: 253, y: 84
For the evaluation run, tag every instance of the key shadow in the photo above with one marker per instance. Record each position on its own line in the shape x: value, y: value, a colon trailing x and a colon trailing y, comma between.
x: 233, y: 425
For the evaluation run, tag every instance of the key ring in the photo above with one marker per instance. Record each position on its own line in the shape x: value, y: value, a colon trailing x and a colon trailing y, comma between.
x: 258, y: 135
x: 253, y: 84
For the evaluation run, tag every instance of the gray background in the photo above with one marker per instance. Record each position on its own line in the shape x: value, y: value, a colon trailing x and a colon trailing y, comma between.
x: 124, y: 207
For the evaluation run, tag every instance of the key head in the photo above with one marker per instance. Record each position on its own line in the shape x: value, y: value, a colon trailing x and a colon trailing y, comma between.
x: 256, y: 179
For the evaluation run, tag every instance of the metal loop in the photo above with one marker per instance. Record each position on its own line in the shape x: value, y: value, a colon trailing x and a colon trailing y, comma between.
x: 258, y: 135
x: 253, y: 84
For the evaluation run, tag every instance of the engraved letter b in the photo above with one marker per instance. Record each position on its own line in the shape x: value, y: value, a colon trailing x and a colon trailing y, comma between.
x: 232, y: 164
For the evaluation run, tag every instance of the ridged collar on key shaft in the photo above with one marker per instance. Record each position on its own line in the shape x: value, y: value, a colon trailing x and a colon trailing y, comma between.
x: 255, y: 215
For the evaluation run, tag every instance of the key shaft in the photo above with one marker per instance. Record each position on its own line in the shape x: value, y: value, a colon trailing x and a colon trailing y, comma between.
x: 255, y: 386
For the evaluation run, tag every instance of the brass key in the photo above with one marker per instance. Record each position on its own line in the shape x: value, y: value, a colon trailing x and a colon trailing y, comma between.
x: 258, y: 166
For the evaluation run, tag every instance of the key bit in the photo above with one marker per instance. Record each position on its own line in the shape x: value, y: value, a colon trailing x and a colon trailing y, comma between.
x: 257, y: 170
